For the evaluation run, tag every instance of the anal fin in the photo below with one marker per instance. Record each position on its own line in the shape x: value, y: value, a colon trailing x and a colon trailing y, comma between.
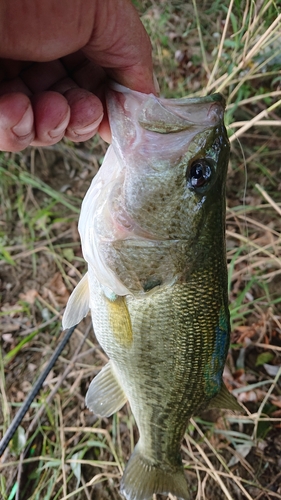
x: 224, y: 399
x: 105, y: 396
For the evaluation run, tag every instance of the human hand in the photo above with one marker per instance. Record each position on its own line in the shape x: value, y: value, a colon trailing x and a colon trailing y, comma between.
x: 54, y: 60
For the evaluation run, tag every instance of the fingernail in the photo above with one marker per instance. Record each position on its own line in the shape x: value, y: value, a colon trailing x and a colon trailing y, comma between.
x: 89, y: 128
x: 60, y: 129
x: 25, y: 125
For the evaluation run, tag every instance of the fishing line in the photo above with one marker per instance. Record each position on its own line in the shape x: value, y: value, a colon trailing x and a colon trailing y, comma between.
x: 33, y: 393
x: 245, y: 188
x: 246, y: 177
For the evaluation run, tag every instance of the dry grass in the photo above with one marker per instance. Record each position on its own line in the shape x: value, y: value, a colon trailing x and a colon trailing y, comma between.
x: 69, y: 453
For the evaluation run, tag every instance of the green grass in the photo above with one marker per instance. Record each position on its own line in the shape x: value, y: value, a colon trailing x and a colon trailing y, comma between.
x: 232, y: 48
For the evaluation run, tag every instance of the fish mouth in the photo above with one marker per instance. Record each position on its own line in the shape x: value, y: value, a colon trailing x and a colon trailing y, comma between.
x: 164, y: 116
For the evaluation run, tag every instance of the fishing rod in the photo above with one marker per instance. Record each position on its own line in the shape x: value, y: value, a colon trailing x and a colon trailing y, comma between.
x: 33, y: 393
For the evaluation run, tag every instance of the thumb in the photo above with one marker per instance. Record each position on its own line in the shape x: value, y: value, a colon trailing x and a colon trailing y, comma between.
x: 120, y: 44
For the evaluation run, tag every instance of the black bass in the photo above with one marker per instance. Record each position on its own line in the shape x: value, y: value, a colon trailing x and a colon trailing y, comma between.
x: 152, y: 227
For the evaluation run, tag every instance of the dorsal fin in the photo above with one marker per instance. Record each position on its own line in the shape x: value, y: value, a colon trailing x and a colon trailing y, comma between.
x: 225, y: 400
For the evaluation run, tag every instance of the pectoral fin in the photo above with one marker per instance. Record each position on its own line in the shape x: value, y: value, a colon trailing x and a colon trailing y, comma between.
x: 224, y: 399
x: 78, y: 304
x: 105, y: 396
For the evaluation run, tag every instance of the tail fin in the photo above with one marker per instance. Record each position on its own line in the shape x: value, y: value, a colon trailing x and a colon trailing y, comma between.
x: 142, y: 478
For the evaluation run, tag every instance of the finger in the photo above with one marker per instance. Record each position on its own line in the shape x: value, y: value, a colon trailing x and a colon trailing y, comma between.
x: 86, y: 114
x: 86, y: 110
x: 14, y: 85
x: 10, y: 69
x: 85, y: 73
x: 16, y: 122
x: 51, y: 118
x: 63, y: 85
x: 104, y: 129
x: 41, y: 76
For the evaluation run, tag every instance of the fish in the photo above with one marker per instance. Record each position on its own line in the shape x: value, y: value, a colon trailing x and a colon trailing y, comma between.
x: 152, y: 229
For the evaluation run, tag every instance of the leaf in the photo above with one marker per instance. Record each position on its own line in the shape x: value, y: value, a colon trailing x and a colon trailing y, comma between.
x: 13, y: 491
x: 18, y: 441
x: 263, y: 358
x: 76, y: 466
x: 18, y: 347
x: 243, y: 450
x: 96, y: 444
x: 236, y: 438
x: 50, y: 464
x: 57, y: 287
x: 250, y: 387
x: 6, y: 256
x: 272, y: 370
x: 29, y: 296
x: 68, y: 254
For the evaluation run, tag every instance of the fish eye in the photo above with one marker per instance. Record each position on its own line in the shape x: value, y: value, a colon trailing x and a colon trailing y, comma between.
x: 199, y: 174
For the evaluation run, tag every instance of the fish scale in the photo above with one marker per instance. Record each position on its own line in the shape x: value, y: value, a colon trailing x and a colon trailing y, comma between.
x: 152, y: 232
x: 181, y: 342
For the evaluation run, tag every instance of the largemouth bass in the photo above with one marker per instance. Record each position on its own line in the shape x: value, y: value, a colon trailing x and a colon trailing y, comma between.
x: 152, y: 227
